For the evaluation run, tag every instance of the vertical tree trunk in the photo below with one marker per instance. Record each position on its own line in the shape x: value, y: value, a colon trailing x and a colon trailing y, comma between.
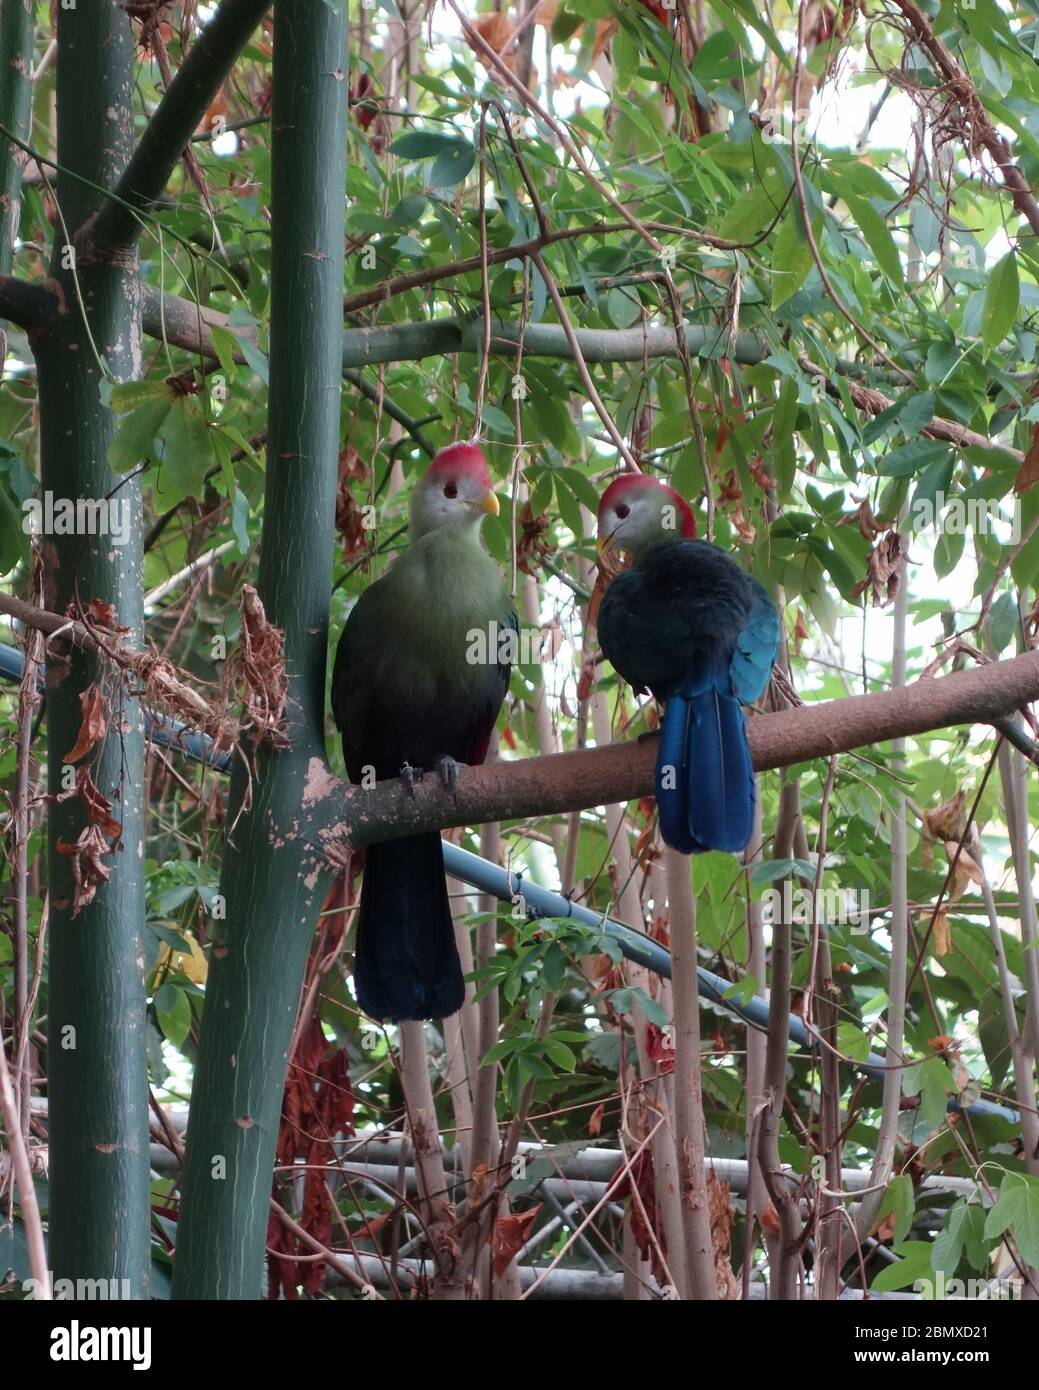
x: 16, y: 22
x: 689, y: 1117
x: 96, y: 1058
x: 271, y: 901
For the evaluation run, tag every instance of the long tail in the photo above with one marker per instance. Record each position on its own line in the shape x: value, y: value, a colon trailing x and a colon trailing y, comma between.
x: 705, y: 779
x: 407, y: 962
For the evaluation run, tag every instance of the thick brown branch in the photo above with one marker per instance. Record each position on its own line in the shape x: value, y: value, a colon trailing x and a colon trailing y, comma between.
x: 338, y: 815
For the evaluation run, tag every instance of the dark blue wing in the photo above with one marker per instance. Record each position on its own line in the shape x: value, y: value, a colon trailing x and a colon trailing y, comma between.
x: 757, y: 647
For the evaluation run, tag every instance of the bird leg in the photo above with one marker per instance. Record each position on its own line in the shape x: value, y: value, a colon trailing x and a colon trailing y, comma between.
x: 409, y: 776
x: 448, y: 770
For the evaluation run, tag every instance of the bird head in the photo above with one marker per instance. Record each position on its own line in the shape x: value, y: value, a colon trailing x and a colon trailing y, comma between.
x: 637, y: 513
x: 455, y: 492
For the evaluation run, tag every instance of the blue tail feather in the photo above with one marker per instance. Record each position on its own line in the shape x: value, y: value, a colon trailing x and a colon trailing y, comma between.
x: 705, y: 779
x: 673, y: 779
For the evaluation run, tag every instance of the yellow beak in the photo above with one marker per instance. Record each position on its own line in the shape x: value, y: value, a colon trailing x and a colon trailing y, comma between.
x: 490, y: 504
x: 603, y: 546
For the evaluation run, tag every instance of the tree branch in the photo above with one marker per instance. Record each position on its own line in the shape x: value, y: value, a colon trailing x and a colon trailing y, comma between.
x: 174, y: 122
x: 962, y: 89
x: 184, y: 325
x: 338, y: 815
x: 23, y: 303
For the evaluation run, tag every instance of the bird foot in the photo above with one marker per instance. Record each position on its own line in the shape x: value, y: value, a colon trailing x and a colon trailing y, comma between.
x: 409, y: 776
x: 448, y: 770
x: 338, y: 855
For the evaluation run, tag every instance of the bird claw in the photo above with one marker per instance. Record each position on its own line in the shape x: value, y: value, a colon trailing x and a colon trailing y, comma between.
x: 338, y: 855
x: 409, y: 776
x: 448, y: 770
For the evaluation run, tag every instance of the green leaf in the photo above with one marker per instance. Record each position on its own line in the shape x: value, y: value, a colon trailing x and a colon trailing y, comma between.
x: 1001, y: 300
x: 932, y: 1082
x: 623, y: 307
x: 915, y: 1264
x: 224, y: 345
x: 899, y: 1199
x: 947, y: 554
x: 186, y: 455
x: 750, y: 214
x: 1003, y: 622
x: 562, y: 1055
x: 852, y: 1042
x: 917, y: 412
x: 912, y: 458
x: 878, y: 239
x: 1017, y: 1209
x: 964, y: 1225
x: 452, y: 165
x: 452, y: 156
x: 500, y: 1050
x: 130, y: 394
x: 175, y: 1018
x: 14, y: 544
x: 240, y: 521
x: 791, y: 258
x: 134, y: 439
x: 424, y: 144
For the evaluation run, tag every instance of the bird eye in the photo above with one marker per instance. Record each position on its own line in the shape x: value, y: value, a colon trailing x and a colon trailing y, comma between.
x: 622, y: 510
x: 450, y: 490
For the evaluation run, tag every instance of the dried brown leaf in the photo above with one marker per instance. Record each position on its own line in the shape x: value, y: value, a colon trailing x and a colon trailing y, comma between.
x: 720, y: 1208
x: 966, y: 870
x: 883, y: 572
x: 94, y: 726
x: 88, y: 872
x: 946, y: 821
x: 509, y: 1237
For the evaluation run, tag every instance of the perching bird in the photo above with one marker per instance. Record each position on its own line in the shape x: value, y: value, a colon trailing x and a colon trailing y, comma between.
x: 408, y: 697
x: 686, y: 623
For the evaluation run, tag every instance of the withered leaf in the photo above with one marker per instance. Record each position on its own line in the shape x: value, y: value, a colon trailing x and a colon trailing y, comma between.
x: 721, y: 1235
x: 883, y: 570
x: 88, y: 872
x: 101, y: 613
x: 966, y: 870
x: 509, y: 1237
x: 862, y: 516
x: 94, y: 726
x: 98, y: 806
x: 942, y: 933
x: 800, y: 632
x: 946, y: 821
